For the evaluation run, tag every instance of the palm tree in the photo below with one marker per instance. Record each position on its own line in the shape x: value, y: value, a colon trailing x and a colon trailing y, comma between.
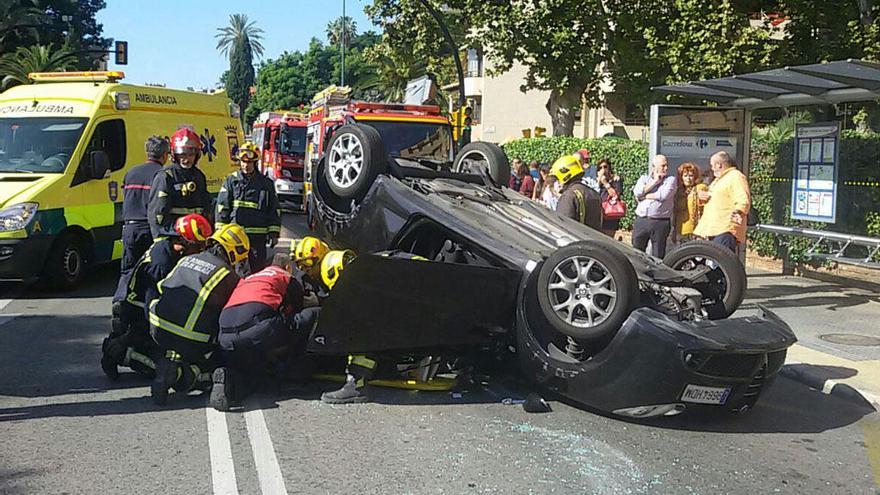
x: 18, y: 19
x: 343, y: 25
x: 15, y: 67
x: 239, y: 31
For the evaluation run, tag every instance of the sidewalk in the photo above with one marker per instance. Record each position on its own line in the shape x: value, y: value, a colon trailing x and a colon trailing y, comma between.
x: 838, y: 330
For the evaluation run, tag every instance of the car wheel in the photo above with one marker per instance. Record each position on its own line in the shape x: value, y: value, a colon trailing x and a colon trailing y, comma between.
x: 724, y: 286
x: 355, y: 156
x: 66, y: 263
x: 586, y: 292
x: 486, y: 156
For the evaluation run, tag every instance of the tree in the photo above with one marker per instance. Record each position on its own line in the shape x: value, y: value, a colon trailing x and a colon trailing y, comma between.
x: 292, y: 79
x: 341, y: 29
x: 658, y: 42
x: 31, y: 22
x: 15, y: 67
x: 240, y: 31
x: 241, y: 75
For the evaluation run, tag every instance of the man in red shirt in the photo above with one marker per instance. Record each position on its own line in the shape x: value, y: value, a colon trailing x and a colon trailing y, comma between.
x: 261, y: 324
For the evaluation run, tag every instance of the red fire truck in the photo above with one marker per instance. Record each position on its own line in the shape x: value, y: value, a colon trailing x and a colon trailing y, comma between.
x: 408, y: 131
x: 281, y: 137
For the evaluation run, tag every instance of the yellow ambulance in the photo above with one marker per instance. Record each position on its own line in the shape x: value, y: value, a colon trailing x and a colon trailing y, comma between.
x: 67, y: 141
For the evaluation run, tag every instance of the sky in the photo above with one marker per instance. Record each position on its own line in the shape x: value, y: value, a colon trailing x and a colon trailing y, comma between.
x: 172, y: 41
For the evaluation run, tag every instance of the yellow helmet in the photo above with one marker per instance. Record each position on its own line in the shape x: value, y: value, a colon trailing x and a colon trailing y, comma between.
x: 248, y: 152
x: 234, y: 241
x: 333, y: 264
x: 565, y: 168
x: 307, y: 253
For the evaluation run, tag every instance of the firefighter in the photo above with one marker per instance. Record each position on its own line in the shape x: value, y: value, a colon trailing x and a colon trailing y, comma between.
x: 129, y: 343
x: 136, y: 236
x: 577, y: 201
x: 180, y: 189
x: 262, y: 326
x: 306, y: 255
x: 360, y: 368
x: 184, y: 319
x: 248, y: 199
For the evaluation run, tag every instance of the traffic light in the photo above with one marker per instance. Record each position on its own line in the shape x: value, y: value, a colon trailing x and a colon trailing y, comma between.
x: 121, y: 53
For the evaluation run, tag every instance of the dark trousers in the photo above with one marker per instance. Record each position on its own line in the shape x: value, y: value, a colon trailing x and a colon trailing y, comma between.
x: 192, y: 352
x: 257, y: 255
x: 726, y: 239
x: 655, y: 230
x: 136, y: 239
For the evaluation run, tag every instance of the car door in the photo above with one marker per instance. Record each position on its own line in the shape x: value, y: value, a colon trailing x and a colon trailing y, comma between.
x: 390, y: 304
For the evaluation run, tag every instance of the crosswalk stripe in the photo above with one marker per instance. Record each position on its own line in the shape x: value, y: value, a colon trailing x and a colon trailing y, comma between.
x: 222, y: 465
x: 268, y: 470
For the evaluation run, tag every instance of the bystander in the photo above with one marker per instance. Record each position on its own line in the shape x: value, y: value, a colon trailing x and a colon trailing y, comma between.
x: 728, y: 201
x: 655, y: 193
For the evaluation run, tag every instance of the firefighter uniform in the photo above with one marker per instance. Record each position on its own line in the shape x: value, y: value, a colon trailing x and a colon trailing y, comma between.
x: 177, y: 191
x: 136, y: 236
x: 250, y: 201
x: 263, y: 323
x: 129, y: 343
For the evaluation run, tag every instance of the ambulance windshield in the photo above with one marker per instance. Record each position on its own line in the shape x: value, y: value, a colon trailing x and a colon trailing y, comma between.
x: 41, y: 145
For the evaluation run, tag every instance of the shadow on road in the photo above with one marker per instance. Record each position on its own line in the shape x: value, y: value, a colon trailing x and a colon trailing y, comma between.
x: 786, y: 407
x: 833, y: 296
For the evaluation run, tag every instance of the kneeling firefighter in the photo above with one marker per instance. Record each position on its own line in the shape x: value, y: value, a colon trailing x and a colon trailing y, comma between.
x: 306, y: 255
x: 262, y: 325
x: 360, y: 368
x: 184, y: 318
x: 248, y: 199
x: 129, y: 343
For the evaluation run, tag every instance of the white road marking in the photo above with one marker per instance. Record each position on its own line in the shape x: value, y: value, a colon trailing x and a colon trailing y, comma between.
x: 222, y: 466
x: 4, y: 303
x: 268, y: 470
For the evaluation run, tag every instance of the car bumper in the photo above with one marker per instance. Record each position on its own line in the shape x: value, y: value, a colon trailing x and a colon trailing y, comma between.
x: 23, y: 259
x: 653, y: 360
x: 288, y: 190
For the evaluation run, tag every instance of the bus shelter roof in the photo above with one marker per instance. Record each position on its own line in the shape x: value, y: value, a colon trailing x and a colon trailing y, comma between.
x: 829, y: 82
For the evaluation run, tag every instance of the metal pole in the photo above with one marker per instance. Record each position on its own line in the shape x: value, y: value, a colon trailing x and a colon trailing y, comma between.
x: 451, y: 43
x: 342, y: 42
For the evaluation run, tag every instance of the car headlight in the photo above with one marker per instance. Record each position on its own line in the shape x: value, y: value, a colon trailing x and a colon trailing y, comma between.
x: 17, y: 217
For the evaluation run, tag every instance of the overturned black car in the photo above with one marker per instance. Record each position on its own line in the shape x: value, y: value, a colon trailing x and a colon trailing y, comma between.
x: 588, y: 317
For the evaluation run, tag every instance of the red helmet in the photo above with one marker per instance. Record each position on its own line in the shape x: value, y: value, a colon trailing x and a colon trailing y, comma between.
x: 193, y: 228
x: 185, y: 140
x: 585, y: 153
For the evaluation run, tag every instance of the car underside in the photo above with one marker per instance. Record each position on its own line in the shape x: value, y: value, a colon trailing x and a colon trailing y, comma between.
x: 586, y: 316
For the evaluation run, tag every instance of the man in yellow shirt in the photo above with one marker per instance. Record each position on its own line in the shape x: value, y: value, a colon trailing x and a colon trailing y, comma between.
x: 729, y: 200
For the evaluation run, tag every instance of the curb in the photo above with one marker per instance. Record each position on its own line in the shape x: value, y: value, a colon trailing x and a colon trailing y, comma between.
x: 807, y: 374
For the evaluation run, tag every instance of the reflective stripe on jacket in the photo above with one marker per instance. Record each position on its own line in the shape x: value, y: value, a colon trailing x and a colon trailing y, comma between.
x: 249, y: 201
x: 176, y: 192
x: 192, y: 296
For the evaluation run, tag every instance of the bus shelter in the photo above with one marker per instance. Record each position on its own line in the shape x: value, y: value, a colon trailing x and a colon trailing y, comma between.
x: 692, y: 132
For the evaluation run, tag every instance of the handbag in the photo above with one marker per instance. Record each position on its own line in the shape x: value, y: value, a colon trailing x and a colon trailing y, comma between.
x: 614, y: 207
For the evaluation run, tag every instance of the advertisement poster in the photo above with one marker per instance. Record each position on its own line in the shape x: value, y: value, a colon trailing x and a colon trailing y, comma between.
x: 814, y: 188
x: 695, y: 148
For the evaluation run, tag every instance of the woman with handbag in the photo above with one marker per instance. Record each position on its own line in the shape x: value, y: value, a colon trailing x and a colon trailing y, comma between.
x: 610, y: 189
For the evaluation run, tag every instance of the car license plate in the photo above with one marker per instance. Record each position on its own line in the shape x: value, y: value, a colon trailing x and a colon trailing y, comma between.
x: 705, y: 395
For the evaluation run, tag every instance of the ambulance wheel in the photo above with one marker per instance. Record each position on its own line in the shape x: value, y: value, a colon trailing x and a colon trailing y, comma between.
x: 488, y: 157
x: 355, y: 156
x: 66, y: 263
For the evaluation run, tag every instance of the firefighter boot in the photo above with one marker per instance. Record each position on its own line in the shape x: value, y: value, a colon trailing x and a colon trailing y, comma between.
x: 166, y: 375
x: 140, y: 363
x: 112, y: 354
x: 351, y: 393
x: 223, y: 391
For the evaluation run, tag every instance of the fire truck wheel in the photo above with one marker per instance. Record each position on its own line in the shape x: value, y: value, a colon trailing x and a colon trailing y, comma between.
x: 486, y: 156
x: 354, y: 158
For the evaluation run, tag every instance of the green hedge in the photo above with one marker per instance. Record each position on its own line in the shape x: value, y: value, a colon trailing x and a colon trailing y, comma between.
x: 629, y: 158
x: 858, y: 199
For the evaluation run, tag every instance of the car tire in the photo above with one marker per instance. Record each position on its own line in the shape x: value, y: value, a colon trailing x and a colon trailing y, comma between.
x: 729, y: 270
x: 66, y: 262
x: 490, y: 156
x: 608, y: 285
x: 355, y: 157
